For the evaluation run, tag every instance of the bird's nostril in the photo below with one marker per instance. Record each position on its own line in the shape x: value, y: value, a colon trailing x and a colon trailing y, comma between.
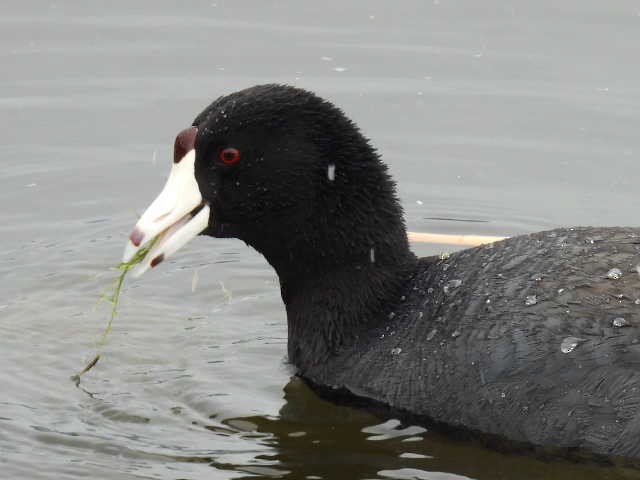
x: 185, y: 142
x: 163, y: 216
x: 157, y: 260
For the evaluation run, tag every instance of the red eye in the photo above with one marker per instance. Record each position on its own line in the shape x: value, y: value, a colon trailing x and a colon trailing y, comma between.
x: 229, y: 155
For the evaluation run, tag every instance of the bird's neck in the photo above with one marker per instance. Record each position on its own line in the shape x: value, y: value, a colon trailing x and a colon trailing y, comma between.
x: 331, y: 303
x: 343, y: 257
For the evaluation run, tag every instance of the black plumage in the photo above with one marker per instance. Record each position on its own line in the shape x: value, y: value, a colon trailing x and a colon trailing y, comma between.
x: 533, y: 340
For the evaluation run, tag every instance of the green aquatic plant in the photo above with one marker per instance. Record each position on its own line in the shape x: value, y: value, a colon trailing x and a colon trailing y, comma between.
x: 112, y: 295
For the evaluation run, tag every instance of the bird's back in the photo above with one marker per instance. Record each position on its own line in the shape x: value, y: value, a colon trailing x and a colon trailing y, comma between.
x: 534, y: 339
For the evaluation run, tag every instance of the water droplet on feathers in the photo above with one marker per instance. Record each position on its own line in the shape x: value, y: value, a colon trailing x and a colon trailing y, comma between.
x: 620, y: 322
x: 569, y: 344
x: 451, y: 285
x: 614, y: 274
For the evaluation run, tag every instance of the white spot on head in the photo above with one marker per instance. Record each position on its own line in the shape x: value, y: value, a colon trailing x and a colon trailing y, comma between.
x: 340, y: 69
x: 419, y: 202
x: 451, y: 285
x: 331, y: 172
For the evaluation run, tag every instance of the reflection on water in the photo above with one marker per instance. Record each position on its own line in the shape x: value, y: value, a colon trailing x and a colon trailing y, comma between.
x: 312, y: 438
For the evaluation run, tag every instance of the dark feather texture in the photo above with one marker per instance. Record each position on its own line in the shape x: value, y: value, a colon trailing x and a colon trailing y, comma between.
x: 531, y: 339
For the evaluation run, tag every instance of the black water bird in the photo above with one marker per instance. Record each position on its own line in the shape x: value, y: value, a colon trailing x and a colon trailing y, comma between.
x: 533, y: 340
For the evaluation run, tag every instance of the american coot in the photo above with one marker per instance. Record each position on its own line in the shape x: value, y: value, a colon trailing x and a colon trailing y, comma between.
x: 532, y: 340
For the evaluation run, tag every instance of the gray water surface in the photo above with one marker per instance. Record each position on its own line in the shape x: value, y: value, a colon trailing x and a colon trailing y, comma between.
x: 520, y: 116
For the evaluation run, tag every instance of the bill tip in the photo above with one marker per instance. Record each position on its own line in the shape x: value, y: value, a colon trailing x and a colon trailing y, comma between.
x: 136, y: 236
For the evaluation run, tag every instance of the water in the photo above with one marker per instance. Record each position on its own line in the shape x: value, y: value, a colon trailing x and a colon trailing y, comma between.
x: 516, y: 117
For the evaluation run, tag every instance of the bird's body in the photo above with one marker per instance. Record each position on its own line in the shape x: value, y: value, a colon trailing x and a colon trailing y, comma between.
x: 533, y: 340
